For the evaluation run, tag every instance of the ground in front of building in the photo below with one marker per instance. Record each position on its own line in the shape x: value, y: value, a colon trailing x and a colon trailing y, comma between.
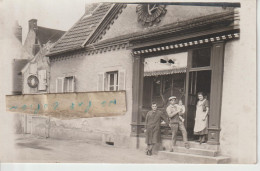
x: 34, y: 149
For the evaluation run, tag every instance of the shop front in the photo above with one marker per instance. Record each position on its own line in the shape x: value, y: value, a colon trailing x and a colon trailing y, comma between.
x: 180, y: 69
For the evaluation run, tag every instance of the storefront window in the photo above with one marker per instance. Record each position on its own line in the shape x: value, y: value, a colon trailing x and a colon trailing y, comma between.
x: 156, y: 86
x: 201, y: 57
x: 162, y: 87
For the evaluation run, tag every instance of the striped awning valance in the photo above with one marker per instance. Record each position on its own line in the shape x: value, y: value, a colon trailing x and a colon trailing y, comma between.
x: 186, y: 44
x: 165, y: 72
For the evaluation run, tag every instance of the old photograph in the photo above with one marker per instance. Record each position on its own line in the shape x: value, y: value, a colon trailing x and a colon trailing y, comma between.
x: 128, y: 82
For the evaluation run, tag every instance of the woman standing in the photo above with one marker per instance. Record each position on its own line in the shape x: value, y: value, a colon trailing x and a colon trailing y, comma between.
x: 201, y: 119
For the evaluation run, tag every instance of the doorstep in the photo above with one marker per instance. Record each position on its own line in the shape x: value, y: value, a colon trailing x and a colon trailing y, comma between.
x: 196, y: 154
x: 193, y: 158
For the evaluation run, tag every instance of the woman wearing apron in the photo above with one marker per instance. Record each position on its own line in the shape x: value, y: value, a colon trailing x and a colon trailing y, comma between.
x: 201, y: 119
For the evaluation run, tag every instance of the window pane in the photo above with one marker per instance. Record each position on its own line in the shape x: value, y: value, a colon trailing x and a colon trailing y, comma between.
x: 111, y: 88
x: 111, y: 79
x: 201, y: 57
x: 156, y: 86
x: 147, y: 92
x: 167, y: 84
x: 70, y: 84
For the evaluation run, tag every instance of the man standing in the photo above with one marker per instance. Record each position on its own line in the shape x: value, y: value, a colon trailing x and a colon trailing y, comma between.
x: 152, y: 127
x: 175, y: 123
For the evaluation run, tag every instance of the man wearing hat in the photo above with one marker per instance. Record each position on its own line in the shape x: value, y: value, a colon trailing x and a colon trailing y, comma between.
x: 175, y: 123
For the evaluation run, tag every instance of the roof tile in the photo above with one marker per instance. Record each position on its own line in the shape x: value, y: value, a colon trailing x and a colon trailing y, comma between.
x: 82, y: 30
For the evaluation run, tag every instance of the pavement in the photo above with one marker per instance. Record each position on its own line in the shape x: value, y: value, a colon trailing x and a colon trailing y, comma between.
x: 33, y: 149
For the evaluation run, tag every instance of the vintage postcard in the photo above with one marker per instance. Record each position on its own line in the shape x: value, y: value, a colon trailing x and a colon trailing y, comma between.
x: 128, y: 82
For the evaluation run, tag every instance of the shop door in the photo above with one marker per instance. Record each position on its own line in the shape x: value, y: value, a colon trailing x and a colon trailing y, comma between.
x: 199, y: 81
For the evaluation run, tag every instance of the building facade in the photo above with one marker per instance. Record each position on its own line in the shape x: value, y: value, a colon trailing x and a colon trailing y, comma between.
x: 35, y: 74
x: 154, y: 51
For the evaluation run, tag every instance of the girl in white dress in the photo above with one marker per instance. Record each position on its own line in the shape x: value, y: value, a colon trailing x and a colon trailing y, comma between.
x: 201, y: 119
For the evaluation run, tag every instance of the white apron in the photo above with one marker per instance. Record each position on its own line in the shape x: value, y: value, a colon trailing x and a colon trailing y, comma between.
x: 200, y: 125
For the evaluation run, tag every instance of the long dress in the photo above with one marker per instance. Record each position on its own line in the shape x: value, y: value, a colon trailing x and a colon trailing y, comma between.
x: 152, y: 124
x: 200, y: 127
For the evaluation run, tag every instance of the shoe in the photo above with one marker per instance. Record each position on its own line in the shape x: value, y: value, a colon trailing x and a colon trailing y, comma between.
x: 149, y: 153
x: 203, y: 139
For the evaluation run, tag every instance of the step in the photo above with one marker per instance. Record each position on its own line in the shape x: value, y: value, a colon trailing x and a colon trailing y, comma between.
x: 196, y: 151
x: 194, y: 159
x: 197, y: 145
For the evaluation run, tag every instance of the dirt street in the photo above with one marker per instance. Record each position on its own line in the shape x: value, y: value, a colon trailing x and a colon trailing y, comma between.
x: 36, y: 149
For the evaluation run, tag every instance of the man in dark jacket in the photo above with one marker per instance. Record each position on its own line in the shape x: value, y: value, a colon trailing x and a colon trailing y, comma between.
x: 152, y: 127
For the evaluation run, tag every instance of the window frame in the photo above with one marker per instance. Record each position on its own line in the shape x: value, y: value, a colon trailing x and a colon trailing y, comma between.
x: 116, y: 81
x: 67, y: 81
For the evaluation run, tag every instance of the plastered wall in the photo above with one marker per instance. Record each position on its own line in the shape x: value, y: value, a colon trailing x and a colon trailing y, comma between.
x: 85, y: 69
x: 174, y: 14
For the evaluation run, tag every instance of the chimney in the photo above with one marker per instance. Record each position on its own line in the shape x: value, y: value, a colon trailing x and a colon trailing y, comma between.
x: 32, y: 24
x: 18, y: 31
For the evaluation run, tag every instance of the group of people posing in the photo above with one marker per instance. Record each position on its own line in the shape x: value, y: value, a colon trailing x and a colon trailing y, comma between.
x: 174, y: 118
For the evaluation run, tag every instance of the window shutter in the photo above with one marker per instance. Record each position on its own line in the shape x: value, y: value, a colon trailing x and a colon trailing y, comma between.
x: 100, y: 84
x: 121, y: 80
x: 42, y: 80
x: 59, y: 85
x: 73, y: 83
x: 105, y: 82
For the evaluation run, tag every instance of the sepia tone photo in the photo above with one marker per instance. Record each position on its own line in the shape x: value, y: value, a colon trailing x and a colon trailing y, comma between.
x: 133, y: 82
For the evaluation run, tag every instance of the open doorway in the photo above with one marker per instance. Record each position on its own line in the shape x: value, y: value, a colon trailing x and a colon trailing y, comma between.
x: 199, y: 81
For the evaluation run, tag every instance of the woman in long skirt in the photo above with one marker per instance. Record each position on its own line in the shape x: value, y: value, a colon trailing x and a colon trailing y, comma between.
x: 201, y: 119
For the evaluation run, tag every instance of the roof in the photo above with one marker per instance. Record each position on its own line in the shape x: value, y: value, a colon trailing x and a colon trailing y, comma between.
x: 47, y: 34
x: 82, y: 30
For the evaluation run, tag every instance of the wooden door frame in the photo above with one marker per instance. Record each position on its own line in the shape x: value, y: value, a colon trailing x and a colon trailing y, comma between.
x: 216, y: 67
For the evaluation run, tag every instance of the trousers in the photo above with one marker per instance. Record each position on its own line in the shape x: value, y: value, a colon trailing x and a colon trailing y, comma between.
x: 178, y: 126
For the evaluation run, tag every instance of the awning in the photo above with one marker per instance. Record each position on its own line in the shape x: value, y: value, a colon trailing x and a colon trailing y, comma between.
x: 165, y: 72
x: 166, y: 64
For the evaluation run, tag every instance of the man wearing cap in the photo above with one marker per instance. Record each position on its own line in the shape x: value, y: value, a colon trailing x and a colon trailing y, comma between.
x: 175, y: 123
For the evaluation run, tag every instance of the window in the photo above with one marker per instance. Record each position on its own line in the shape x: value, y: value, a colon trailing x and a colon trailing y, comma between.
x: 111, y: 81
x: 112, y: 78
x: 159, y: 88
x: 157, y: 82
x: 201, y: 57
x: 69, y: 84
x: 65, y: 84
